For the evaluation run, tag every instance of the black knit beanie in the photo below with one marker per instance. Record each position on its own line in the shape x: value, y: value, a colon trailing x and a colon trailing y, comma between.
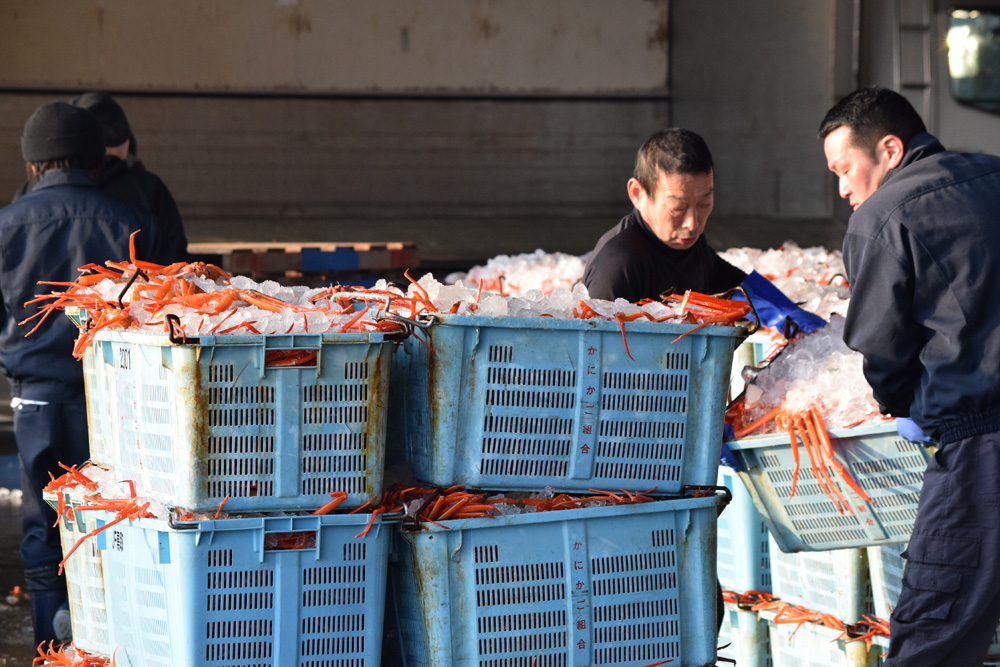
x: 59, y: 130
x: 113, y: 120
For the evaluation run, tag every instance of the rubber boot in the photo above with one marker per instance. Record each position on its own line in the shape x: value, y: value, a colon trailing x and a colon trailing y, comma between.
x: 62, y: 624
x: 44, y: 606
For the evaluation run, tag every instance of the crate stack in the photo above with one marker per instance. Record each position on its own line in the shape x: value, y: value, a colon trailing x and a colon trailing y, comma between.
x: 528, y: 404
x: 744, y: 565
x: 226, y: 423
x: 818, y: 554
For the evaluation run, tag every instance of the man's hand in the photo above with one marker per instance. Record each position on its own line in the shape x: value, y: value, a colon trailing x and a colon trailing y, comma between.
x: 908, y: 430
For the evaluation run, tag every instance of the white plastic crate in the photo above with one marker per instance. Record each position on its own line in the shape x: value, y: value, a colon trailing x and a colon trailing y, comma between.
x: 84, y: 575
x: 813, y: 645
x: 220, y: 594
x: 524, y: 403
x: 744, y: 560
x: 888, y: 468
x: 886, y: 565
x: 196, y: 423
x: 829, y: 582
x: 745, y: 638
x: 613, y: 586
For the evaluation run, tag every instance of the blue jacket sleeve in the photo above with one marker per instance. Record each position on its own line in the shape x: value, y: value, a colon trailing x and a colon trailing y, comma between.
x: 880, y: 323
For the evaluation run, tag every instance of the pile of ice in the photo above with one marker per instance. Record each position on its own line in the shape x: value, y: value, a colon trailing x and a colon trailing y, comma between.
x: 814, y: 278
x: 240, y: 317
x: 814, y: 370
x: 110, y: 487
x: 560, y: 303
x: 519, y: 274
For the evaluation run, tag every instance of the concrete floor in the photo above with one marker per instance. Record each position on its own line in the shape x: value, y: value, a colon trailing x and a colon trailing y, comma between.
x: 15, y: 625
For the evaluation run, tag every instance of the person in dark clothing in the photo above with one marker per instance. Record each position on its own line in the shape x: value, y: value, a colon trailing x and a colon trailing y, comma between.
x: 124, y: 177
x: 659, y: 246
x: 63, y: 223
x: 922, y: 253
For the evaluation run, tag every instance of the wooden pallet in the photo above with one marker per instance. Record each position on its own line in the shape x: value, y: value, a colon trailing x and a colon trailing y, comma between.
x: 255, y: 259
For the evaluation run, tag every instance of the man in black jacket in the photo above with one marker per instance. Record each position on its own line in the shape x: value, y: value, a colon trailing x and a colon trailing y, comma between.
x: 922, y: 253
x: 63, y: 223
x: 124, y: 177
x: 659, y: 245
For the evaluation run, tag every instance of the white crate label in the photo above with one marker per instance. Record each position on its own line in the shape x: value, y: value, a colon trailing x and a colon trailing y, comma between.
x: 117, y: 540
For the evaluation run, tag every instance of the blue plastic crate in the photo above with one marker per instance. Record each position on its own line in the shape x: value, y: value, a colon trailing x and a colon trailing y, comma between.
x: 218, y: 594
x: 888, y: 468
x: 744, y: 559
x: 743, y: 638
x: 524, y: 403
x: 197, y: 423
x: 616, y: 586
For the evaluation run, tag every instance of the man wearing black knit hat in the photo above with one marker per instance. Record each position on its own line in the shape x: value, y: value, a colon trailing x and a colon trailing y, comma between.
x: 124, y: 177
x: 63, y: 223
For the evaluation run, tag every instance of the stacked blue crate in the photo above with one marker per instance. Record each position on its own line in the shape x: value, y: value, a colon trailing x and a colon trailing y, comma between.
x: 743, y: 565
x: 521, y: 404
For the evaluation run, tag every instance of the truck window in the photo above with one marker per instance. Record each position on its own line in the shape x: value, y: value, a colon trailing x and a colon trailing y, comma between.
x: 974, y: 58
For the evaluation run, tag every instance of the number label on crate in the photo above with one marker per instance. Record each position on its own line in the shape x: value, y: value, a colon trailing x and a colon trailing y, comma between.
x: 124, y: 358
x: 117, y: 540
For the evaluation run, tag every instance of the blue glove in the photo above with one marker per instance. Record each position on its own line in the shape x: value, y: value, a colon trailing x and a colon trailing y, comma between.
x: 776, y: 310
x: 908, y: 430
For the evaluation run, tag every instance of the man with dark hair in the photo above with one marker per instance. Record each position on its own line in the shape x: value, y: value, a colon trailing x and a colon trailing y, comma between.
x: 922, y: 253
x: 659, y: 245
x: 64, y: 223
x: 124, y: 177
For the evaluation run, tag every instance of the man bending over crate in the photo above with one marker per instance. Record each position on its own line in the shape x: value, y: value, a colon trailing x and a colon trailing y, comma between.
x: 64, y: 223
x: 922, y: 253
x: 659, y: 245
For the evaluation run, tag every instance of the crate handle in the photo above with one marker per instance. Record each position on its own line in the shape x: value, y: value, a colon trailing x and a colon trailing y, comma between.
x: 135, y: 274
x: 182, y: 339
x: 290, y: 540
x: 730, y: 292
x: 695, y: 491
x: 174, y: 522
x: 418, y: 323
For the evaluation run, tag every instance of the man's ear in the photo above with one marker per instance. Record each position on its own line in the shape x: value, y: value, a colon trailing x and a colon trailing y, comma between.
x: 635, y: 191
x: 890, y: 147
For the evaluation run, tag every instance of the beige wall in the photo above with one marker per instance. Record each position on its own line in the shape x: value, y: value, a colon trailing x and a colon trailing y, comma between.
x: 472, y: 128
x: 321, y: 46
x: 758, y: 95
x: 464, y: 179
